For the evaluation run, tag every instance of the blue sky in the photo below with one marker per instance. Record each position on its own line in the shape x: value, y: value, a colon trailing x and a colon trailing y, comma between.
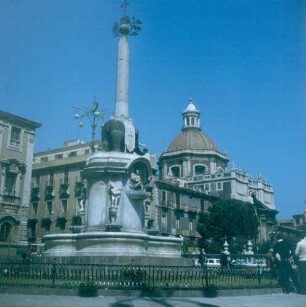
x: 242, y: 61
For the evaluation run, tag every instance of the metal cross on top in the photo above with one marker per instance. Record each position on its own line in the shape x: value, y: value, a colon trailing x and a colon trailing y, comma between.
x: 124, y: 5
x: 127, y: 25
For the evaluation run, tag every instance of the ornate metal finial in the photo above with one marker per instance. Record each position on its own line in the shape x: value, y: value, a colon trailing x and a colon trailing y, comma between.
x: 127, y: 26
x: 191, y: 99
x: 124, y: 5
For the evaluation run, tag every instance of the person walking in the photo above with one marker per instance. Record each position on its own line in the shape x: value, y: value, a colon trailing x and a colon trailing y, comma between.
x: 300, y: 253
x: 224, y: 260
x: 271, y: 262
x: 283, y: 257
x: 202, y: 257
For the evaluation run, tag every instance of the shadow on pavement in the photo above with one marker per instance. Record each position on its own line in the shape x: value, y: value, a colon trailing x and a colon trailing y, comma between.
x: 166, y: 302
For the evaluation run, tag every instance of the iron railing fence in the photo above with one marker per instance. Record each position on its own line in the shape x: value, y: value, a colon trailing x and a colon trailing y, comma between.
x: 133, y: 276
x: 235, y: 258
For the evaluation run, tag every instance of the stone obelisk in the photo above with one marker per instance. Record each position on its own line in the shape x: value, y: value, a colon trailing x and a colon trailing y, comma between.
x: 121, y: 105
x: 127, y: 27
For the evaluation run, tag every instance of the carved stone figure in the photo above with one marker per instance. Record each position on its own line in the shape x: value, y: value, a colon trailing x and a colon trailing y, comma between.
x: 115, y: 195
x: 137, y: 148
x: 81, y: 200
x: 135, y: 181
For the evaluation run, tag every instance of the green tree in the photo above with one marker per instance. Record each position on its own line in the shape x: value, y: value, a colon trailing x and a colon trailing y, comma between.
x: 228, y: 219
x: 203, y: 228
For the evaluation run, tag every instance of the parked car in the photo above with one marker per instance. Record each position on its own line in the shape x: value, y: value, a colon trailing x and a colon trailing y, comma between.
x: 213, y: 262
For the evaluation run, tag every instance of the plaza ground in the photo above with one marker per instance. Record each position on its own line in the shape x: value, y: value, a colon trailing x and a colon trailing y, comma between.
x: 266, y: 300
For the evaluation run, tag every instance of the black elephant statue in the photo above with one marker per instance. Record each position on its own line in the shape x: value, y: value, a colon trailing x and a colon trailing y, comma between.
x: 113, y: 136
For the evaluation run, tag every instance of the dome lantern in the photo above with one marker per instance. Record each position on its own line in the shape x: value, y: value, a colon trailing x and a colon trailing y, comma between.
x: 191, y: 117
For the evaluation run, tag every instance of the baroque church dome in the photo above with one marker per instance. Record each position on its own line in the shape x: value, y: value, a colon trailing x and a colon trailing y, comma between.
x: 191, y: 137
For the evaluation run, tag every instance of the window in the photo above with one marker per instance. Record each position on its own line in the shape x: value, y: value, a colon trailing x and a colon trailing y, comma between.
x: 35, y: 207
x: 219, y: 186
x: 37, y: 180
x: 51, y: 179
x: 64, y: 206
x: 44, y: 159
x: 176, y: 171
x: 202, y: 205
x: 177, y: 198
x: 15, y: 140
x: 164, y: 221
x: 199, y: 170
x: 87, y: 151
x: 177, y: 223
x: 207, y: 186
x: 190, y: 225
x: 163, y: 195
x: 49, y: 207
x: 72, y: 154
x: 66, y: 176
x: 5, y: 232
x: 58, y: 156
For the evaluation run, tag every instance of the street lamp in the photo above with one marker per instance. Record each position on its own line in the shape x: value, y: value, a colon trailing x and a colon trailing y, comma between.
x: 93, y: 114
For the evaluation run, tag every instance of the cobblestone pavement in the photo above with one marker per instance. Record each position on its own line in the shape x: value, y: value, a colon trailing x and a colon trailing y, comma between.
x: 270, y: 300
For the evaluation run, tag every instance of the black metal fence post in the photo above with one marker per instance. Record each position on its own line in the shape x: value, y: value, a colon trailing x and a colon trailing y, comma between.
x: 206, y: 274
x: 259, y: 272
x: 53, y: 272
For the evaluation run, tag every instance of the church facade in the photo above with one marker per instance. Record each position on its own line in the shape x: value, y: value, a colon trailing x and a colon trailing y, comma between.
x: 194, y: 174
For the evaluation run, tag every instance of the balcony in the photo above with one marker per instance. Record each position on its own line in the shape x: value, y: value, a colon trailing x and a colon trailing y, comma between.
x: 10, y: 199
x: 35, y: 196
x: 46, y: 223
x: 32, y: 223
x: 49, y: 192
x: 61, y: 223
x: 76, y: 226
x: 64, y: 190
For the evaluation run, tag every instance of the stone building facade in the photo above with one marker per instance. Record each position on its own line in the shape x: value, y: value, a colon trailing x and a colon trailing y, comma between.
x: 17, y: 137
x: 295, y: 224
x: 58, y: 191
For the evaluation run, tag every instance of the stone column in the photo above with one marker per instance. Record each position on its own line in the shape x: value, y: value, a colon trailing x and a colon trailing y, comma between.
x: 2, y: 182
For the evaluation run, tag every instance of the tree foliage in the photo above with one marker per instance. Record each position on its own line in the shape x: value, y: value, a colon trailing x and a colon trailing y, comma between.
x: 228, y: 219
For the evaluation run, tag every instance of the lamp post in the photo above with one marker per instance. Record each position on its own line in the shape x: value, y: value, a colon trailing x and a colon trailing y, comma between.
x: 93, y: 114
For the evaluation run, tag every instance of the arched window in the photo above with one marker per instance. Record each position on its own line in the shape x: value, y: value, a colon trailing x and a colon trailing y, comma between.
x: 176, y: 171
x: 5, y: 232
x: 199, y: 170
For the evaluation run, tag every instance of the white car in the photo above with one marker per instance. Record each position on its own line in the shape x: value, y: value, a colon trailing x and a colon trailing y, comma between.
x: 213, y: 262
